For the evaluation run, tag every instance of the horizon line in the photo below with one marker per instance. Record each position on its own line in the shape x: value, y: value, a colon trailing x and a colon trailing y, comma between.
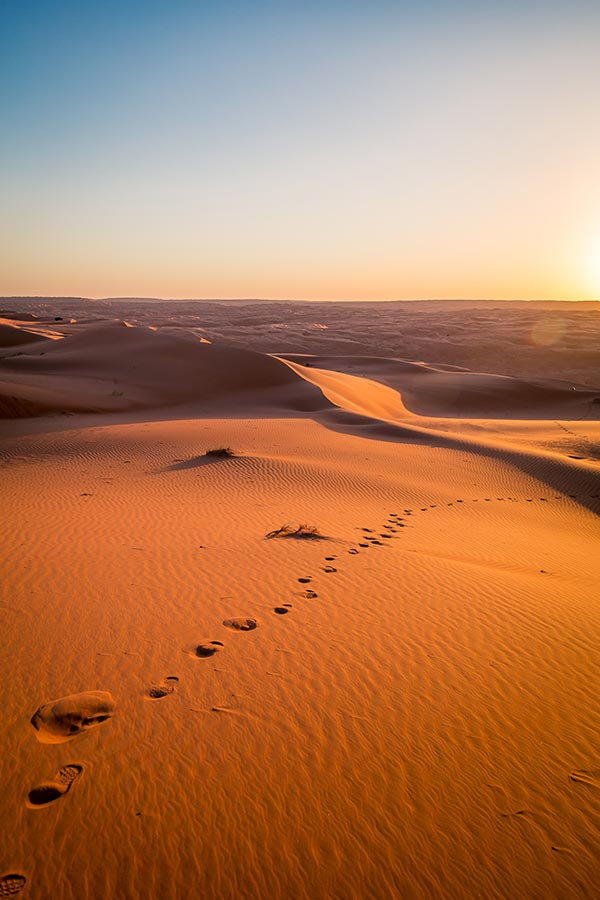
x: 128, y: 298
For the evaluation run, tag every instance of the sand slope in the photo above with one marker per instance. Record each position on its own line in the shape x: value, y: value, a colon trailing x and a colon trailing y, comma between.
x: 403, y: 707
x: 444, y: 392
x: 116, y: 367
x: 13, y: 336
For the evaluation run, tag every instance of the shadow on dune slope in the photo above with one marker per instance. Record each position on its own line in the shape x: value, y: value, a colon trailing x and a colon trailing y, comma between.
x: 448, y: 392
x: 115, y: 368
x: 369, y: 409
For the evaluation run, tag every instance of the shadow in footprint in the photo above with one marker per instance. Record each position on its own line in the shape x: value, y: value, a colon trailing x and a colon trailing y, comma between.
x: 49, y: 791
x: 206, y: 649
x: 62, y: 720
x: 240, y: 623
x: 281, y: 610
x: 12, y: 884
x: 167, y: 686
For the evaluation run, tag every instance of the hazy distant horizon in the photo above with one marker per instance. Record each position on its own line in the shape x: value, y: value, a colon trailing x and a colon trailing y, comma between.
x: 34, y: 298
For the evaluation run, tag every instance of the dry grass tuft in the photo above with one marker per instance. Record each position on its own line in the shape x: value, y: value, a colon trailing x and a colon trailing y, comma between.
x: 300, y: 531
x: 220, y: 451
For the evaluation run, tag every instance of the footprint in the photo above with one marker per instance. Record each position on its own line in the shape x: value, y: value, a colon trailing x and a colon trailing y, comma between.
x: 11, y: 885
x: 353, y: 551
x: 61, y: 720
x: 281, y: 610
x: 310, y: 595
x: 49, y: 791
x: 167, y: 686
x: 206, y: 649
x: 368, y: 530
x: 243, y: 624
x: 305, y: 580
x: 329, y: 569
x: 329, y: 558
x: 363, y: 545
x: 375, y: 541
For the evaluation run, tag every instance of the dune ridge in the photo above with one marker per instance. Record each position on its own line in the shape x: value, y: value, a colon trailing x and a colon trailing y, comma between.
x: 117, y: 367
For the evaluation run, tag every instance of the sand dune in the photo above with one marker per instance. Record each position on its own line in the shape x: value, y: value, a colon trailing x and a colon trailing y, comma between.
x: 532, y: 339
x: 118, y: 367
x: 444, y: 392
x: 403, y: 705
x: 13, y: 336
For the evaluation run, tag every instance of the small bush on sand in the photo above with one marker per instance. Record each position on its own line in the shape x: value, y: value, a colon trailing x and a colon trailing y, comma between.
x: 300, y: 531
x: 220, y: 451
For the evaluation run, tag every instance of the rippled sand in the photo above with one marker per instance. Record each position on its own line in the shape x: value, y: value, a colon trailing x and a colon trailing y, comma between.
x: 403, y: 705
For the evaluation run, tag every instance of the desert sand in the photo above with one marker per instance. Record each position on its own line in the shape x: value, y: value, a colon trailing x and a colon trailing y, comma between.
x: 403, y: 704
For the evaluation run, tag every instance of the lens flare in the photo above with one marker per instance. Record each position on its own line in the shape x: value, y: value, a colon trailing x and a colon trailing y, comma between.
x: 547, y: 331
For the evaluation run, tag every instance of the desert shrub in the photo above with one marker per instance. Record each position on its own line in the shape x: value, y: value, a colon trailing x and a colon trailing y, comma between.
x: 295, y: 531
x: 220, y: 451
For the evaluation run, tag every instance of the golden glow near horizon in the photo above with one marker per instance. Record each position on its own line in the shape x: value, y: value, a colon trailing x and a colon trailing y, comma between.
x: 592, y: 261
x: 445, y: 151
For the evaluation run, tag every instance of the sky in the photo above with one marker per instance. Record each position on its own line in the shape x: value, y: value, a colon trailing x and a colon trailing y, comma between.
x: 314, y: 150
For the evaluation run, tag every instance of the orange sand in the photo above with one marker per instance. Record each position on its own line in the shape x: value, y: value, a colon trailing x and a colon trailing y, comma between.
x: 406, y: 706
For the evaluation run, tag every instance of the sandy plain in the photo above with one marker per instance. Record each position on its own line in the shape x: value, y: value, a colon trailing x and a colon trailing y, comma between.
x: 405, y: 705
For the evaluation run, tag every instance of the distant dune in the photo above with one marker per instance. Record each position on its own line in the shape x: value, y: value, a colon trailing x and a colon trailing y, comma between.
x: 115, y: 367
x: 547, y: 340
x: 13, y: 336
x: 445, y: 392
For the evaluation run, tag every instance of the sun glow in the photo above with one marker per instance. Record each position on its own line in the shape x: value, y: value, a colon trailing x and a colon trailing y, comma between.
x: 593, y: 265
